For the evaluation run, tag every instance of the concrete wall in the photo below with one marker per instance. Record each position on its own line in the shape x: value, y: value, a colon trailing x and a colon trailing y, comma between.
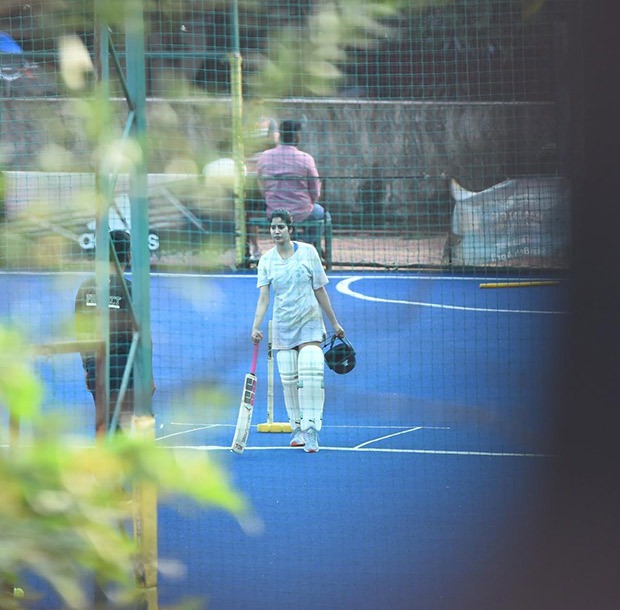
x: 378, y: 158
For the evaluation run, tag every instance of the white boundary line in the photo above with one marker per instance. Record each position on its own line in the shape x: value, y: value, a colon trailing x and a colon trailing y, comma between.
x: 344, y: 288
x: 382, y: 438
x: 201, y: 427
x: 330, y: 426
x: 373, y: 450
x: 361, y: 447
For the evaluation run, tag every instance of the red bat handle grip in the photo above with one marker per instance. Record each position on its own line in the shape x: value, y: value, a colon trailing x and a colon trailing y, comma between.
x: 254, y: 359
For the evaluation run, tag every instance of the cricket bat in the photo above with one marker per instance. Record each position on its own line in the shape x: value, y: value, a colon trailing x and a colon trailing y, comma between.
x: 244, y: 419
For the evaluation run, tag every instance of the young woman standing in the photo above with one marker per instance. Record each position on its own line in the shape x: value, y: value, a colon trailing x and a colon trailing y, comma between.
x: 294, y: 271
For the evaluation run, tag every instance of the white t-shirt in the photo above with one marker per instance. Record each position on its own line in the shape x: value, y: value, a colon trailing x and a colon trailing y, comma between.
x: 297, y: 315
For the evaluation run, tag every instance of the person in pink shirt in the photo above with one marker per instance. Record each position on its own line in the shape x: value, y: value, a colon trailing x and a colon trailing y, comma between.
x: 288, y: 179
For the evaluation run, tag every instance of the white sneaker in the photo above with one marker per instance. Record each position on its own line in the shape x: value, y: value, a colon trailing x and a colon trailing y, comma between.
x: 297, y: 438
x: 311, y: 437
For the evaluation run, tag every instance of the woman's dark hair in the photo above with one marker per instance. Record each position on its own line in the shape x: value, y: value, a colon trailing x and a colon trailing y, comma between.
x: 285, y: 215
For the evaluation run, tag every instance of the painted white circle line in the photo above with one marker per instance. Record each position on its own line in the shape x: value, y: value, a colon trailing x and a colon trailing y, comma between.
x: 344, y: 287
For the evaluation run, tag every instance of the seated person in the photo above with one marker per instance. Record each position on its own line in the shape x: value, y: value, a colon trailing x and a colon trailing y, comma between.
x: 288, y: 179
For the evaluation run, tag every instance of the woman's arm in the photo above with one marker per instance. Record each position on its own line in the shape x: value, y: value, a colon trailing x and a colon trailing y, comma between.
x: 261, y: 309
x: 323, y: 298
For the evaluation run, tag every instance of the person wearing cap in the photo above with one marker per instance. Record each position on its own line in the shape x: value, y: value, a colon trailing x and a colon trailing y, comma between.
x: 121, y: 332
x: 289, y: 179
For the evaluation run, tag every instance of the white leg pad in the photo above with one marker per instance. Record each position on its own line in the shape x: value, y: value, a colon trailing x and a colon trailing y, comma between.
x: 287, y: 367
x: 311, y: 387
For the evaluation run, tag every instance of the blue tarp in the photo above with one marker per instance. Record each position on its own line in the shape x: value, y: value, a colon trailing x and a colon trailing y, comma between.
x: 8, y: 45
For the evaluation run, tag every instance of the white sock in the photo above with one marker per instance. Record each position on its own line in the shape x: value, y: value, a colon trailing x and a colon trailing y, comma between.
x: 311, y: 387
x: 287, y: 367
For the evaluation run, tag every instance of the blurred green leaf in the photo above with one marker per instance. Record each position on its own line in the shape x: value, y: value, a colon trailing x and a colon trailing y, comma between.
x: 306, y: 62
x: 65, y: 506
x: 20, y: 389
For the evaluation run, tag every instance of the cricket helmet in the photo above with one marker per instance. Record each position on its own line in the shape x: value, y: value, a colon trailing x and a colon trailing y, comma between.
x: 339, y: 354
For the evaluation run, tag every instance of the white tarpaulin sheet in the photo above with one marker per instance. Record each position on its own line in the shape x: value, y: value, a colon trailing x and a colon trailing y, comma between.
x: 522, y: 221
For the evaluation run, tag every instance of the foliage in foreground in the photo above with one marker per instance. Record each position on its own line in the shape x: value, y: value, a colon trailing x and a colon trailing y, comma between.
x: 63, y: 502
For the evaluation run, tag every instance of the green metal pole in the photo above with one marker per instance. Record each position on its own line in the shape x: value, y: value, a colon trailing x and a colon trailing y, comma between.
x: 236, y: 97
x: 145, y: 493
x: 102, y: 225
x: 138, y: 195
